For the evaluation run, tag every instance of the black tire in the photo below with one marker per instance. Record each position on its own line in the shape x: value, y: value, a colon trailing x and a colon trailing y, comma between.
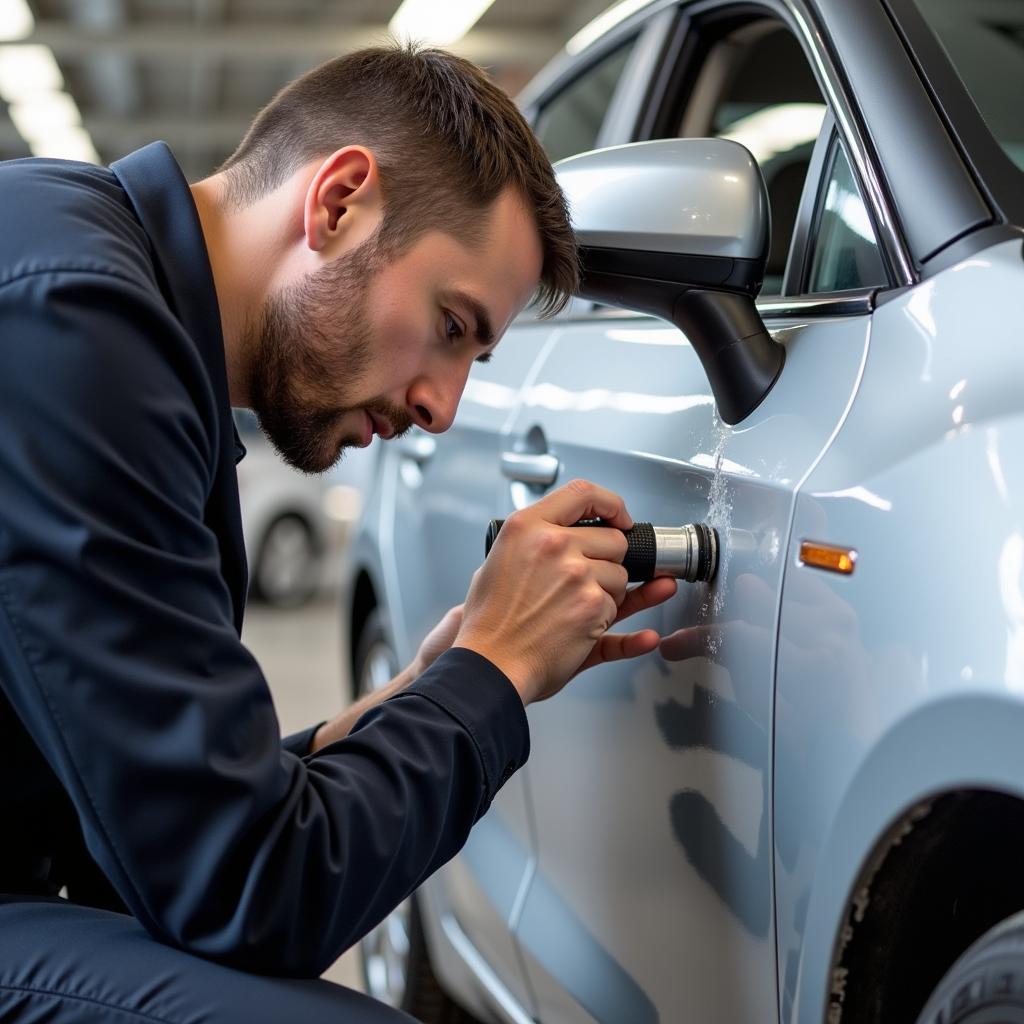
x: 375, y: 661
x: 420, y: 996
x: 425, y: 999
x: 276, y: 582
x: 395, y: 959
x: 986, y: 985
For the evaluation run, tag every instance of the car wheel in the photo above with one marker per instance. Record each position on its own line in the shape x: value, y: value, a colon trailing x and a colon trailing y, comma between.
x: 395, y: 958
x: 397, y: 971
x: 285, y: 574
x: 986, y: 985
x: 376, y: 663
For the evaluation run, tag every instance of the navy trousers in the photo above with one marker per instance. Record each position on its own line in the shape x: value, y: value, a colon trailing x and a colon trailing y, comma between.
x: 65, y: 964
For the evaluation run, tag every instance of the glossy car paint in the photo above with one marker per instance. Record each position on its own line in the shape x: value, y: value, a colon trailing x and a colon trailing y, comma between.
x: 906, y: 679
x: 651, y: 780
x: 697, y: 189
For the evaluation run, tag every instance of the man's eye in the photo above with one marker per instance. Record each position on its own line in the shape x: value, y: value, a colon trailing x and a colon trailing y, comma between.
x: 452, y: 327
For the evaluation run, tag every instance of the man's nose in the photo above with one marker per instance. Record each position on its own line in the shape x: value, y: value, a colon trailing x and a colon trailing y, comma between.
x: 435, y: 402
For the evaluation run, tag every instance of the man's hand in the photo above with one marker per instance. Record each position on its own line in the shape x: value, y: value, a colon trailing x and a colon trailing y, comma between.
x: 540, y: 606
x: 437, y: 641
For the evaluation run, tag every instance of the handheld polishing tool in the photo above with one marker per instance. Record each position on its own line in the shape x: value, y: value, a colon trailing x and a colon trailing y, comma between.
x: 688, y: 552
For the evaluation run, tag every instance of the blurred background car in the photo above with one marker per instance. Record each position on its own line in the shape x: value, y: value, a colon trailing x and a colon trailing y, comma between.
x: 295, y: 525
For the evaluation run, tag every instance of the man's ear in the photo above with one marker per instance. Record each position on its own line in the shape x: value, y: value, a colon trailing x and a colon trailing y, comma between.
x: 343, y: 201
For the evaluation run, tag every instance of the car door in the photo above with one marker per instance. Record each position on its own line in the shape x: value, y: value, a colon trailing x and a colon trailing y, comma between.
x: 446, y: 490
x: 651, y: 898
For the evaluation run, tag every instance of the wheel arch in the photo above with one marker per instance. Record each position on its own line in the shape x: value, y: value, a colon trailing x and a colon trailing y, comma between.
x: 364, y: 601
x: 946, y: 872
x: 923, y: 811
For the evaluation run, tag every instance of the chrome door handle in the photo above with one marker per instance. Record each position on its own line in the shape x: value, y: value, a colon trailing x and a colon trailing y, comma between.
x: 418, y: 447
x: 539, y: 470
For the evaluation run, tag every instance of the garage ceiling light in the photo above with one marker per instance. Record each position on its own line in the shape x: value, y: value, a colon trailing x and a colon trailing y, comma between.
x: 427, y: 21
x: 37, y: 116
x: 70, y: 143
x: 16, y: 21
x: 52, y: 126
x: 46, y: 117
x: 26, y: 70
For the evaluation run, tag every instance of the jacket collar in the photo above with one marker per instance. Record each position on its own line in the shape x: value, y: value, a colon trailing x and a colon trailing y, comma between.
x: 164, y: 206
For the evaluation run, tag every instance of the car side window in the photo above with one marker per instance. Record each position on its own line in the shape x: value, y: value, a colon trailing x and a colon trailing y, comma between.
x: 571, y: 121
x: 755, y: 86
x: 844, y: 254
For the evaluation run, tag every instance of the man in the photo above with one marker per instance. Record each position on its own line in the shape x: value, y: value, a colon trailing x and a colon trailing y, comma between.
x: 381, y: 224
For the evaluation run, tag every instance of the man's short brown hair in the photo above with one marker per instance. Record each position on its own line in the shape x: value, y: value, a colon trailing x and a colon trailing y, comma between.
x: 447, y: 140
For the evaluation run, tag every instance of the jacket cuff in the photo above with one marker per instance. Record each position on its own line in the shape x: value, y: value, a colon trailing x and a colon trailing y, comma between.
x: 299, y: 743
x: 480, y: 697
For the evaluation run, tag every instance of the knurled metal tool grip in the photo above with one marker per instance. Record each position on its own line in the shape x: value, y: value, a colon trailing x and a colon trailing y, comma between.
x: 688, y: 552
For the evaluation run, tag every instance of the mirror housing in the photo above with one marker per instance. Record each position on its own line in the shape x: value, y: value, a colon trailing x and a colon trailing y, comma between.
x: 679, y: 228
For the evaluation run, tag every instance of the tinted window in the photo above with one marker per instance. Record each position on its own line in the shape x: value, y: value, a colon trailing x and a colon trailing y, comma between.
x: 985, y: 42
x: 571, y: 122
x: 756, y: 87
x: 845, y: 254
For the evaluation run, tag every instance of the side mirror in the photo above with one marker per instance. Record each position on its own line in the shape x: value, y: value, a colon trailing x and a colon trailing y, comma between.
x: 680, y: 228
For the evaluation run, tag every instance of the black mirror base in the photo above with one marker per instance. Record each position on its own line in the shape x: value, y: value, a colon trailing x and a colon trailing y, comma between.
x: 741, y: 359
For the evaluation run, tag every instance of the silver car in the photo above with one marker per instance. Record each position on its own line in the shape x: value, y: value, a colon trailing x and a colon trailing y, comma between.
x: 802, y: 322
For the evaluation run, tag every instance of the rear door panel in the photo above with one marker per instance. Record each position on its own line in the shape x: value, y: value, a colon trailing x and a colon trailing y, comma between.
x: 443, y: 502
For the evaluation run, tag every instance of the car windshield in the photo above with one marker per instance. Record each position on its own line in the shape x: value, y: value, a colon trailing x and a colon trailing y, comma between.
x: 985, y: 41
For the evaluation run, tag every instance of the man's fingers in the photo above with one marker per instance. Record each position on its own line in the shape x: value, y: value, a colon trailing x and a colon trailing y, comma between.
x: 580, y: 499
x: 452, y: 617
x: 613, y: 580
x: 689, y: 642
x: 617, y: 646
x: 647, y: 595
x: 600, y: 542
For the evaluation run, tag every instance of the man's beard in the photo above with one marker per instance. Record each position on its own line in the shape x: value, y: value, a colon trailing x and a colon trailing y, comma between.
x: 311, y: 350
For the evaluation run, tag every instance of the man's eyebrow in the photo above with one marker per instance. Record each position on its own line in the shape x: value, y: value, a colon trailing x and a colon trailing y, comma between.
x: 484, y: 330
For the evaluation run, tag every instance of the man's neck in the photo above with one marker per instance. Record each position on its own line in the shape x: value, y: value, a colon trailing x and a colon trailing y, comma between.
x: 248, y: 250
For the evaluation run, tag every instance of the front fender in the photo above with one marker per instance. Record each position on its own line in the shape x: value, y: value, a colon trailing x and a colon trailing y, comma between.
x: 963, y: 742
x: 906, y: 678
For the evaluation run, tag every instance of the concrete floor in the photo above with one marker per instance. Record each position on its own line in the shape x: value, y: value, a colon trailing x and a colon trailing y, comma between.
x: 301, y: 655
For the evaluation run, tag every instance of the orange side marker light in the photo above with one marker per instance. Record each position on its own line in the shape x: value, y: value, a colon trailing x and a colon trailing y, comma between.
x: 828, y: 556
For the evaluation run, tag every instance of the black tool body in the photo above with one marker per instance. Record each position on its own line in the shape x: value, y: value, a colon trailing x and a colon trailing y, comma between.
x: 688, y: 552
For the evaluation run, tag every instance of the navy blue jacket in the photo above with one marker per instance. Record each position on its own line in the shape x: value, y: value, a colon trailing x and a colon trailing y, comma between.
x: 140, y: 754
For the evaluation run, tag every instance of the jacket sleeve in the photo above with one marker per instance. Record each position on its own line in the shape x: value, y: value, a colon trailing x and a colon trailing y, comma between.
x: 118, y: 652
x: 298, y: 743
